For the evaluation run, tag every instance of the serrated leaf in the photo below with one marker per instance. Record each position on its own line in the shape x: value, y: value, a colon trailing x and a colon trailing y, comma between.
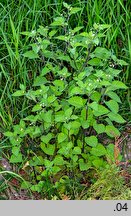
x: 22, y: 87
x: 64, y: 57
x: 76, y: 101
x: 74, y: 10
x: 59, y: 83
x: 113, y: 71
x: 95, y: 62
x: 46, y: 138
x: 48, y: 164
x: 76, y: 150
x: 68, y: 113
x: 63, y: 38
x: 61, y: 137
x: 36, y: 160
x: 101, y: 110
x: 45, y: 70
x: 113, y: 106
x: 84, y: 166
x: 76, y: 29
x: 16, y: 150
x: 102, y: 53
x: 37, y: 107
x: 122, y: 62
x: 43, y: 31
x: 95, y: 96
x: 25, y: 185
x: 29, y: 34
x: 60, y: 117
x: 35, y: 47
x: 38, y: 187
x: 74, y: 117
x: 66, y: 5
x: 49, y: 149
x: 31, y: 118
x: 58, y: 160
x: 75, y: 158
x: 105, y: 83
x: 114, y: 96
x: 119, y: 84
x: 52, y: 33
x: 31, y: 54
x: 94, y: 106
x: 112, y: 131
x: 116, y: 117
x: 51, y: 99
x: 91, y: 141
x: 98, y: 151
x: 65, y: 150
x: 55, y: 170
x: 75, y: 125
x: 8, y: 134
x: 104, y: 26
x: 75, y: 91
x: 39, y: 80
x: 116, y: 85
x: 85, y: 124
x: 16, y: 159
x: 18, y: 93
x: 97, y: 163
x: 58, y: 21
x: 47, y: 117
x: 99, y: 128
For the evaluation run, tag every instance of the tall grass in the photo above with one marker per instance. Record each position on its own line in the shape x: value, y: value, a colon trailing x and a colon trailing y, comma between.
x: 26, y: 15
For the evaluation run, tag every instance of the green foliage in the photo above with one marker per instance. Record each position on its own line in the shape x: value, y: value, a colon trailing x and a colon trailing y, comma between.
x: 73, y: 98
x: 109, y: 185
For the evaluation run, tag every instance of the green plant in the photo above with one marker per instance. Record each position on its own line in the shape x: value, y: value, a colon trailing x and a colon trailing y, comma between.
x: 28, y: 15
x: 74, y: 104
x: 110, y: 185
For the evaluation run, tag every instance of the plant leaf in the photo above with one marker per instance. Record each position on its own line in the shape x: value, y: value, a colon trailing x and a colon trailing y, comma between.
x: 114, y: 96
x: 95, y: 62
x: 100, y: 128
x: 61, y: 137
x: 16, y: 159
x: 84, y: 166
x: 98, y: 151
x: 76, y: 150
x: 46, y: 138
x: 116, y: 85
x: 76, y: 101
x: 18, y: 93
x: 31, y: 54
x: 112, y: 131
x: 91, y: 141
x: 74, y: 10
x: 116, y: 117
x: 102, y: 53
x: 98, y: 162
x: 113, y: 106
x: 58, y: 160
x: 102, y: 110
x: 49, y: 149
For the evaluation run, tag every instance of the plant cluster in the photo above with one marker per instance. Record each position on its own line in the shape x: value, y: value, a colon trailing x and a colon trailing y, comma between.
x: 74, y: 104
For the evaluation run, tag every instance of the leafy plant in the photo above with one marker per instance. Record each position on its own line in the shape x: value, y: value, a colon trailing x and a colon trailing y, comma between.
x: 74, y: 103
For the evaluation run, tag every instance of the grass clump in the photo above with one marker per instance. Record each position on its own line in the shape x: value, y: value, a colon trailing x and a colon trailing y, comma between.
x: 110, y: 185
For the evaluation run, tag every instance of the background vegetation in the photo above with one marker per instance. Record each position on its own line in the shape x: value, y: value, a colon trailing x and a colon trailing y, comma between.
x: 28, y: 15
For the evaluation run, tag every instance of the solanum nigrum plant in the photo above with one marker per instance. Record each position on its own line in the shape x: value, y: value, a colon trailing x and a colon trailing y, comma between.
x: 74, y: 101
